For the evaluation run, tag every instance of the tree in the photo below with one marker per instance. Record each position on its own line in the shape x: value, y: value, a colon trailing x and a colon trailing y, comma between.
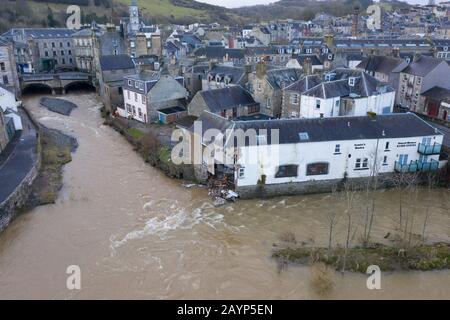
x: 332, y: 218
x: 349, y: 194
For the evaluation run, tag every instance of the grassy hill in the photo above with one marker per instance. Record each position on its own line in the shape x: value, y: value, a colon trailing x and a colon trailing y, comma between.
x: 48, y: 13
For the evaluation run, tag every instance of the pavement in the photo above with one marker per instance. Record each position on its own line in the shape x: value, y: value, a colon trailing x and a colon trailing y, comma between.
x: 19, y: 158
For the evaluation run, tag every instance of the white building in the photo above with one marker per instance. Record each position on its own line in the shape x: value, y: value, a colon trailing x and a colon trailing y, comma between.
x: 311, y: 155
x: 353, y: 94
x: 9, y: 106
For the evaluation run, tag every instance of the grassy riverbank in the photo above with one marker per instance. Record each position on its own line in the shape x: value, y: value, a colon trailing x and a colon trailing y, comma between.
x: 388, y: 258
x: 153, y: 143
x: 56, y: 149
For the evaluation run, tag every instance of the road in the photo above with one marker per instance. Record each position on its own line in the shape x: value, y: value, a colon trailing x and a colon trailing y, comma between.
x: 15, y: 166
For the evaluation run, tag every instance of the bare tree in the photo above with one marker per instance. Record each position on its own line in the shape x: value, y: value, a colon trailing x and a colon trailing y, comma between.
x: 371, y: 187
x: 332, y: 218
x: 349, y: 191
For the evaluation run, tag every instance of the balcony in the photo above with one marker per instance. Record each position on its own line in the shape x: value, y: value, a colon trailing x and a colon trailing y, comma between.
x: 416, y: 166
x: 429, y: 149
x: 406, y: 168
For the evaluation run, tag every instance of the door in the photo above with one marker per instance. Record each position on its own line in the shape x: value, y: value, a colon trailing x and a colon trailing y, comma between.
x: 426, y: 141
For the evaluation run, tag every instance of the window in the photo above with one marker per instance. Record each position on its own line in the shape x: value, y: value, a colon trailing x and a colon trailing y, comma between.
x: 241, y: 172
x: 53, y: 44
x: 68, y: 44
x: 303, y: 136
x: 269, y: 103
x: 337, y: 103
x: 130, y: 83
x: 419, y: 80
x: 294, y: 98
x: 258, y: 86
x: 135, y: 97
x: 317, y: 168
x: 46, y: 53
x: 362, y: 163
x: 134, y: 110
x: 120, y: 90
x: 253, y: 109
x: 132, y: 44
x: 144, y: 98
x: 286, y: 171
x: 351, y: 81
x: 140, y: 112
x: 5, y: 80
x: 403, y: 159
x: 385, y: 160
x: 317, y: 103
x: 45, y: 44
x: 136, y: 85
x: 386, y: 147
x: 71, y: 60
x: 141, y: 86
x: 337, y: 148
x: 62, y: 52
x: 128, y: 94
x: 60, y: 44
x: 70, y: 52
x: 54, y: 53
x: 63, y: 61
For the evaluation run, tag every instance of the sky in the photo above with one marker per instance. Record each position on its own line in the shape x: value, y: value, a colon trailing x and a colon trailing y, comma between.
x: 240, y: 3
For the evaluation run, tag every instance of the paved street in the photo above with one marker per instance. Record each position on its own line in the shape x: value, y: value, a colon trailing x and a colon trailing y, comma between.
x: 15, y: 166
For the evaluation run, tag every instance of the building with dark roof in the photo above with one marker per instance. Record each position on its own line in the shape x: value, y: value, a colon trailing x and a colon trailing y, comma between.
x: 230, y: 102
x: 419, y: 76
x: 294, y: 156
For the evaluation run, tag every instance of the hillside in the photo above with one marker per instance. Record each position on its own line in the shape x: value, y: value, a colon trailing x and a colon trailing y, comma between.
x: 52, y: 13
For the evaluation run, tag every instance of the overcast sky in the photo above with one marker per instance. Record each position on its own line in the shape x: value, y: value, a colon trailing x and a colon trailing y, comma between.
x: 240, y: 3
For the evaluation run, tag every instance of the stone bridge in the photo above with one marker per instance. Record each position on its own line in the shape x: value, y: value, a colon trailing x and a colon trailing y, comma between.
x: 55, y: 82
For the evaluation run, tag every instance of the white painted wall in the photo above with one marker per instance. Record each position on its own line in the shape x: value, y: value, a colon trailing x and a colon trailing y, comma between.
x: 328, y: 107
x: 138, y: 105
x: 256, y: 162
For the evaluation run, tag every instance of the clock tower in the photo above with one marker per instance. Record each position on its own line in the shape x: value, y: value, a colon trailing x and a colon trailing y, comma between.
x: 134, y: 16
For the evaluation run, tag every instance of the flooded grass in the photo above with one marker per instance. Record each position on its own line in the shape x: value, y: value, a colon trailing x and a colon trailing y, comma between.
x: 388, y: 258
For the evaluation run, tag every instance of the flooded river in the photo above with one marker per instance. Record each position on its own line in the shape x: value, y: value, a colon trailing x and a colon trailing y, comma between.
x: 138, y: 234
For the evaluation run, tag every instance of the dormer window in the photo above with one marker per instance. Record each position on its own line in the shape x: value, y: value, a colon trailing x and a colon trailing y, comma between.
x: 351, y: 81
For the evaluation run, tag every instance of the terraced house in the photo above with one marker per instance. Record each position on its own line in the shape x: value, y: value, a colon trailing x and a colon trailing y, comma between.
x: 48, y: 48
x: 147, y: 93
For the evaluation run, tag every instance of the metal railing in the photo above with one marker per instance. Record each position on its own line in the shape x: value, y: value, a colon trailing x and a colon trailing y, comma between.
x: 416, y: 166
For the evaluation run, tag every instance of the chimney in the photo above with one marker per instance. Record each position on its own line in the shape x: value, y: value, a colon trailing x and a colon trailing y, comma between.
x: 307, y: 66
x: 212, y: 64
x: 261, y: 70
x: 417, y: 56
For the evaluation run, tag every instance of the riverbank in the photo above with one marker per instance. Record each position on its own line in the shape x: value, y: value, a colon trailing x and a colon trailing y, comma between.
x: 358, y: 259
x: 56, y: 150
x: 153, y: 143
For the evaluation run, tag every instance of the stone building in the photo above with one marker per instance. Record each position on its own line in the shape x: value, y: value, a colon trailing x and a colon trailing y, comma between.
x: 8, y: 68
x: 266, y: 87
x: 229, y: 102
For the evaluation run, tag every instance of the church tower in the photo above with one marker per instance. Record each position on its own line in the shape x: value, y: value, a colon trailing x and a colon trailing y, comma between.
x: 134, y: 16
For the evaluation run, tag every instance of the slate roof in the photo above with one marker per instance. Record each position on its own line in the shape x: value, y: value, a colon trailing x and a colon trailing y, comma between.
x: 422, y: 66
x: 314, y: 59
x: 365, y: 86
x: 43, y: 33
x: 226, y: 98
x: 116, y: 62
x: 253, y: 51
x: 382, y: 64
x: 438, y: 93
x: 400, y: 125
x: 236, y: 74
x: 304, y: 84
x: 287, y: 76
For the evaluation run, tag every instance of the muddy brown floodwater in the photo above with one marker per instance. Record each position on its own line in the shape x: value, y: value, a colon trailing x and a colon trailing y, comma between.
x: 138, y: 234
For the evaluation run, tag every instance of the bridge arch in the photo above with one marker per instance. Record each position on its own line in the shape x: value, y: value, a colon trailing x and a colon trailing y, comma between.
x: 79, y: 85
x: 36, y: 88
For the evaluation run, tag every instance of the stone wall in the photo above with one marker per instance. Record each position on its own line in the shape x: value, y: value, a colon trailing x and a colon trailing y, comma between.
x: 309, y: 187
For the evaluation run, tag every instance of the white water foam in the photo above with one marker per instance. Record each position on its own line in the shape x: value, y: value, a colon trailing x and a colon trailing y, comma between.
x: 170, y: 216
